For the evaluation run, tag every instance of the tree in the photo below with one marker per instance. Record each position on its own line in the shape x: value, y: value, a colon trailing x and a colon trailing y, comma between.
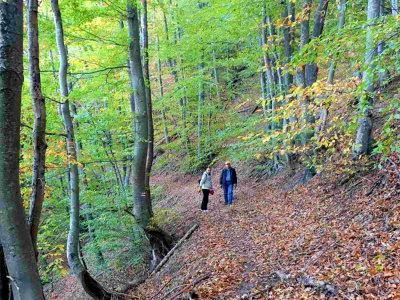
x: 39, y: 131
x: 319, y: 23
x: 142, y: 207
x: 149, y: 106
x: 89, y: 284
x: 200, y: 108
x: 363, y: 140
x: 14, y: 233
x: 161, y: 90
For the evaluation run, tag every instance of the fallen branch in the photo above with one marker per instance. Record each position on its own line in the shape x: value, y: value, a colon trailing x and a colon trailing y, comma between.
x: 193, y: 284
x: 165, y: 284
x: 374, y: 185
x: 345, y: 191
x: 171, y: 252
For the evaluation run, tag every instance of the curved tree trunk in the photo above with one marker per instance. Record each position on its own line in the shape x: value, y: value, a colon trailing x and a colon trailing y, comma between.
x: 141, y: 124
x: 89, y: 284
x: 39, y: 127
x: 14, y: 232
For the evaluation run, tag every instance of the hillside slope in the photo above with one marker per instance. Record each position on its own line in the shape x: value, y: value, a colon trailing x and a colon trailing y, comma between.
x: 316, y: 241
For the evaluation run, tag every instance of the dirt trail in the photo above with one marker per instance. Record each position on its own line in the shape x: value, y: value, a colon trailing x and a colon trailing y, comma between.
x: 314, y: 231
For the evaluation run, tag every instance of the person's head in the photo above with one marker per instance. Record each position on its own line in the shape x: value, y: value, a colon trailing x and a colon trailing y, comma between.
x: 228, y: 164
x: 208, y: 170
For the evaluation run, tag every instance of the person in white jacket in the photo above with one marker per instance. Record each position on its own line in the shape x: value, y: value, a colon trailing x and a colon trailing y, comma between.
x: 205, y: 187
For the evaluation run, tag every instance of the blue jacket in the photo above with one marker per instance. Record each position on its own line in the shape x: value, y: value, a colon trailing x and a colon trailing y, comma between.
x: 222, y: 179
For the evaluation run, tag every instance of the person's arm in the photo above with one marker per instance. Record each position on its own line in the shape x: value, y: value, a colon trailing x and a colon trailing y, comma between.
x: 234, y: 177
x: 203, y: 178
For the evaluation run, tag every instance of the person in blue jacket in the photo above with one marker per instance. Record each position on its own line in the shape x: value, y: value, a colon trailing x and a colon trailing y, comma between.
x: 228, y: 180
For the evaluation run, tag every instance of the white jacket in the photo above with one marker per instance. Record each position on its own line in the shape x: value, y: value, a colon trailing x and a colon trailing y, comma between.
x: 205, y: 182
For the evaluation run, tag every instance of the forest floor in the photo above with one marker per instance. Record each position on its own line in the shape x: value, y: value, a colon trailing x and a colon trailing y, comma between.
x: 315, y: 241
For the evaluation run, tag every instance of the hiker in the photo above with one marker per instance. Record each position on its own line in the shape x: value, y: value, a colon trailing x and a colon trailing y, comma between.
x: 228, y: 180
x: 206, y: 188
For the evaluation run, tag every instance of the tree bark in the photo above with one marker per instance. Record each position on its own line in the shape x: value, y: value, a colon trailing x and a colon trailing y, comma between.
x: 268, y: 73
x: 199, y: 109
x: 142, y: 210
x: 288, y: 17
x: 89, y: 284
x: 264, y: 98
x: 215, y: 73
x: 161, y: 88
x: 395, y: 7
x: 332, y: 68
x: 14, y: 232
x: 304, y: 39
x: 146, y: 74
x: 319, y: 22
x: 383, y: 72
x: 363, y: 140
x: 39, y: 131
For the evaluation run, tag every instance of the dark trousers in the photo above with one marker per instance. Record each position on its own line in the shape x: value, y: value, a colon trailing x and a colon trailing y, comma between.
x: 206, y: 193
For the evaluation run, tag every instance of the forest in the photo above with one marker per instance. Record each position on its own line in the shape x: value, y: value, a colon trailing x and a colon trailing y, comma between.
x: 111, y: 110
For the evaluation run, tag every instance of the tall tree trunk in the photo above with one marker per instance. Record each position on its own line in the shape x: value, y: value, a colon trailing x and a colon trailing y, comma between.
x: 161, y: 88
x: 39, y: 127
x: 14, y: 232
x: 215, y: 73
x: 304, y: 39
x: 363, y: 140
x: 383, y: 72
x: 332, y: 67
x: 319, y: 22
x: 146, y: 74
x: 288, y: 17
x: 142, y: 209
x: 264, y: 98
x: 200, y: 108
x: 89, y: 284
x: 268, y: 71
x: 395, y: 7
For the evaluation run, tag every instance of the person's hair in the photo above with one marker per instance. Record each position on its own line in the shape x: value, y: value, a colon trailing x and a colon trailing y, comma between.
x: 227, y: 162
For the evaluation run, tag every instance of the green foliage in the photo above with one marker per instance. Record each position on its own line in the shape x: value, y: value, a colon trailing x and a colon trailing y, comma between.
x: 235, y: 122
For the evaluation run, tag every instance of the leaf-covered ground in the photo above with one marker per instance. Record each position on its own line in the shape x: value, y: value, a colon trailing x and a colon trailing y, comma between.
x: 316, y: 241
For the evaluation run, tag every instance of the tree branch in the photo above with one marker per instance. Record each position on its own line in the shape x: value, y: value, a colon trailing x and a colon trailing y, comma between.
x: 47, y: 133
